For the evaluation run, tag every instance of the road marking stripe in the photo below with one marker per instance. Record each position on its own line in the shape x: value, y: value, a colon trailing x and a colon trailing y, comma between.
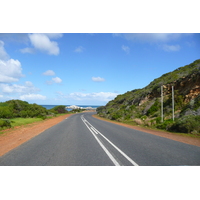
x: 94, y: 130
x: 119, y: 150
x: 103, y: 147
x: 127, y: 157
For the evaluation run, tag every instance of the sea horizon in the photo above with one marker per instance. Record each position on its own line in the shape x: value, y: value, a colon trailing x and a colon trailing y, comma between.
x: 50, y: 106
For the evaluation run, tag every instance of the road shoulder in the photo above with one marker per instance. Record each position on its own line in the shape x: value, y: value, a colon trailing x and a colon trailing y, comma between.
x: 12, y: 138
x: 172, y: 136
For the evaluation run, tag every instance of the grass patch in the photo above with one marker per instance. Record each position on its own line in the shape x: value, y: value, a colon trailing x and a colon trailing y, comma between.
x: 24, y: 121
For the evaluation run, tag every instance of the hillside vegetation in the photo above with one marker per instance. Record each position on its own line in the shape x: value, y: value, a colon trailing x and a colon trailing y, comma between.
x: 21, y: 112
x: 143, y: 106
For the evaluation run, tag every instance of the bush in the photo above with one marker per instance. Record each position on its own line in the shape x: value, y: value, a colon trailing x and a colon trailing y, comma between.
x: 154, y: 108
x: 5, y: 123
x: 18, y: 108
x: 77, y: 110
x: 158, y: 120
x: 187, y: 124
x: 197, y: 103
x: 165, y: 125
x: 58, y: 109
x: 42, y: 116
x: 6, y: 112
x: 115, y: 116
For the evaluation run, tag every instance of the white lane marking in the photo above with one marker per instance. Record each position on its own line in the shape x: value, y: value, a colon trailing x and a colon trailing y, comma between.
x: 103, y: 147
x: 94, y: 130
x: 119, y: 150
x: 127, y: 157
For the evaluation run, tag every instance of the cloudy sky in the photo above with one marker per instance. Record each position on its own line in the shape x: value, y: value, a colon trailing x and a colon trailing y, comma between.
x: 87, y: 69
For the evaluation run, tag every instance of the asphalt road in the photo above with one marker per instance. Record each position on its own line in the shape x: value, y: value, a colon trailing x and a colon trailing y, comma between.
x: 82, y: 140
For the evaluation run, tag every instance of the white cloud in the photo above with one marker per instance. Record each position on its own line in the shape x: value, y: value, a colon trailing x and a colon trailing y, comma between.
x: 57, y: 80
x: 28, y: 50
x: 29, y: 84
x: 49, y: 82
x: 96, y: 96
x: 49, y: 73
x: 28, y: 87
x: 171, y: 47
x: 7, y: 79
x: 53, y: 35
x: 150, y: 37
x: 79, y: 49
x: 54, y: 80
x: 126, y: 49
x: 32, y: 97
x: 10, y: 71
x: 43, y: 43
x: 98, y: 79
x: 3, y: 54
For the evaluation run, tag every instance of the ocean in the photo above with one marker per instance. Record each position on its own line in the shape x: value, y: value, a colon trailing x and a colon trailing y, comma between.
x: 84, y: 106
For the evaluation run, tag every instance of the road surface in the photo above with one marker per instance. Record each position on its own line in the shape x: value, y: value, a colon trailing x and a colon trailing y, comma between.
x: 82, y: 140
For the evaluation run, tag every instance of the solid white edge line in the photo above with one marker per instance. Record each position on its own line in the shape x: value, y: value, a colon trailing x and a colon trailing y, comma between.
x: 127, y: 157
x: 103, y: 147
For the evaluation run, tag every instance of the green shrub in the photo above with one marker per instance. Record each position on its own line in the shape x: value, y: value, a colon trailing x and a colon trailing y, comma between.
x: 58, y: 109
x: 24, y: 114
x: 186, y: 124
x: 158, y: 120
x: 116, y: 115
x: 165, y: 125
x: 6, y: 112
x: 154, y: 108
x: 179, y: 101
x: 197, y: 103
x: 18, y: 108
x: 5, y: 123
x: 77, y: 110
x: 42, y: 116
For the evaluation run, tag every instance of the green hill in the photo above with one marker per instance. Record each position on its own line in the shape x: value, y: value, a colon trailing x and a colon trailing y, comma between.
x: 143, y: 106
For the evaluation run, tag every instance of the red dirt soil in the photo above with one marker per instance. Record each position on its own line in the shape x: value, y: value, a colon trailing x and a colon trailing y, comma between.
x: 14, y: 137
x: 172, y: 136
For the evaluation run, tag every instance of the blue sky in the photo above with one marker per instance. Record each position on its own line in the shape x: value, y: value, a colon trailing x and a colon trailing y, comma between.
x: 87, y: 69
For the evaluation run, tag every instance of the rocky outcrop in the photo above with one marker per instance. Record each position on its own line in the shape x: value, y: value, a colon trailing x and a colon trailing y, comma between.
x: 77, y: 107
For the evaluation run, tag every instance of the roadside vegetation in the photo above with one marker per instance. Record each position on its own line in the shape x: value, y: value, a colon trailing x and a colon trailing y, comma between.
x: 16, y: 113
x: 143, y: 106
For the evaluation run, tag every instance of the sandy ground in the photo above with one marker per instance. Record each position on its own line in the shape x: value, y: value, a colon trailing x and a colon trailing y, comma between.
x: 11, y: 138
x: 173, y: 136
x: 14, y: 137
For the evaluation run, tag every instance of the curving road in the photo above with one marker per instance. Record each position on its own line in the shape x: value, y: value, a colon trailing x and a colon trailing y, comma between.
x: 82, y: 140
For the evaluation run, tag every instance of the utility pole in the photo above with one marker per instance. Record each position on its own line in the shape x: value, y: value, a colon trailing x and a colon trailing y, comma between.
x: 162, y: 103
x: 173, y: 103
